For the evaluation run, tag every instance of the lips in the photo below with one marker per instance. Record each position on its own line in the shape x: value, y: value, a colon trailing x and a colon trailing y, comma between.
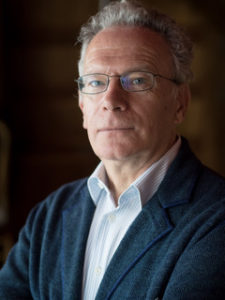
x: 108, y: 129
x: 119, y: 124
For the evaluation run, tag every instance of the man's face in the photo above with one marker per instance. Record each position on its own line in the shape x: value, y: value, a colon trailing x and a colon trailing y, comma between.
x: 123, y: 125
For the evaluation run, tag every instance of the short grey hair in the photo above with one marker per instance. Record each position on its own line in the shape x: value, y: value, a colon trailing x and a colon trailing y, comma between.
x: 132, y: 13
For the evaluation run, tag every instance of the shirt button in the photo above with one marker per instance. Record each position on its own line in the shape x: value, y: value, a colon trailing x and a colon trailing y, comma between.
x: 111, y: 218
x: 98, y: 270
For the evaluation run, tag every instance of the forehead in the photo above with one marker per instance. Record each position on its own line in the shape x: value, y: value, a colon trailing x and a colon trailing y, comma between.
x: 128, y: 47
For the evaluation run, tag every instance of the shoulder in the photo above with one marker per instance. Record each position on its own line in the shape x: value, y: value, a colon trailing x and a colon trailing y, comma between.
x: 50, y: 209
x: 66, y: 194
x: 202, y: 180
x: 193, y: 194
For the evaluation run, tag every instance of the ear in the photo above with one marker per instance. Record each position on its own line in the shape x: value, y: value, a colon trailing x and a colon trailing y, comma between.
x: 82, y: 108
x: 183, y: 97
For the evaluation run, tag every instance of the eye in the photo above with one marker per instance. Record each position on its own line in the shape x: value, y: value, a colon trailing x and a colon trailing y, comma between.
x: 137, y: 81
x: 96, y: 83
x: 93, y: 83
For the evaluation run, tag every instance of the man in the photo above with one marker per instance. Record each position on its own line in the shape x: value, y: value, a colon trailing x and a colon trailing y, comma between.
x: 149, y: 223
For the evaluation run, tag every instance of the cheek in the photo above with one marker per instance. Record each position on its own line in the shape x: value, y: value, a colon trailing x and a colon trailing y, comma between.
x: 167, y: 105
x: 89, y: 118
x: 168, y: 112
x: 84, y: 120
x: 158, y: 118
x: 86, y: 112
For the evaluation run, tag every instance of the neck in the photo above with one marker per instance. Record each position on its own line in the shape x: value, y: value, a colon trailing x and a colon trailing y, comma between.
x: 121, y: 173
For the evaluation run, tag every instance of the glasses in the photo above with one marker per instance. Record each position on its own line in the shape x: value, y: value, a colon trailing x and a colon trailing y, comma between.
x: 137, y: 81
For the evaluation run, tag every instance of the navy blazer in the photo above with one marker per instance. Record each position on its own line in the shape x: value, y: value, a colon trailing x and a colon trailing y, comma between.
x: 175, y: 248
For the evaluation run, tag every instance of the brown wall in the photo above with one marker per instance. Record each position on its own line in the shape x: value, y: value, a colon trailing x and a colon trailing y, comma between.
x: 49, y: 146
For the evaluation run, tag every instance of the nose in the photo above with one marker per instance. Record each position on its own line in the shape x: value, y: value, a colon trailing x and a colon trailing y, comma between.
x: 115, y: 97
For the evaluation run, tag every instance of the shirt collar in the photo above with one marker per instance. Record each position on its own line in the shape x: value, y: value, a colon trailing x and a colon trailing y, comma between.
x: 97, y: 182
x: 147, y: 183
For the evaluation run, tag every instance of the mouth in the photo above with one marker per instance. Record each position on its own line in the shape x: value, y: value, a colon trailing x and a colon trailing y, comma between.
x: 115, y: 129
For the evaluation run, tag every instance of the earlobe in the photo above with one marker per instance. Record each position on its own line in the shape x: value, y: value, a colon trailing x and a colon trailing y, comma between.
x: 182, y: 98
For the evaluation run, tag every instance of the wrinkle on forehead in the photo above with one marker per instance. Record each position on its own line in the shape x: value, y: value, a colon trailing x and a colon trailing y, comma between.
x: 135, y: 45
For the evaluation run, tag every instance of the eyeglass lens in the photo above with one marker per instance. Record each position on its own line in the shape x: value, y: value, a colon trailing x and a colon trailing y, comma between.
x: 132, y: 82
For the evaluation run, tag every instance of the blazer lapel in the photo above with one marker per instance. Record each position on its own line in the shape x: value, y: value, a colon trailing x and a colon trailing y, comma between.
x: 153, y: 223
x: 76, y: 222
x: 149, y: 227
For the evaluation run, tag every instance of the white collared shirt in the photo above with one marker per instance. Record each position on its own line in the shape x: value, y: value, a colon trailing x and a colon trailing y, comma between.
x: 110, y: 222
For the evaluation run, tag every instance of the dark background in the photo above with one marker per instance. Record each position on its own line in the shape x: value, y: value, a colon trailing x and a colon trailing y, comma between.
x: 37, y: 103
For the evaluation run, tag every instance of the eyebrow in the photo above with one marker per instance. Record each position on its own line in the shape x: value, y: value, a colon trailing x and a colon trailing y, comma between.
x: 130, y: 70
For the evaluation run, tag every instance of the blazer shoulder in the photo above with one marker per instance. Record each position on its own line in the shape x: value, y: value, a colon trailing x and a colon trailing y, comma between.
x: 67, y: 193
x: 210, y: 186
x: 64, y: 198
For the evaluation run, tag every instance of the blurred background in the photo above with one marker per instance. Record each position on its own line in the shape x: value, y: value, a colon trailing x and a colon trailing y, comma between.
x: 42, y: 143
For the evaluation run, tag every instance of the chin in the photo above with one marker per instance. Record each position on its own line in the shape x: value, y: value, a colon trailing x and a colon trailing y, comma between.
x: 114, y: 155
x: 115, y: 150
